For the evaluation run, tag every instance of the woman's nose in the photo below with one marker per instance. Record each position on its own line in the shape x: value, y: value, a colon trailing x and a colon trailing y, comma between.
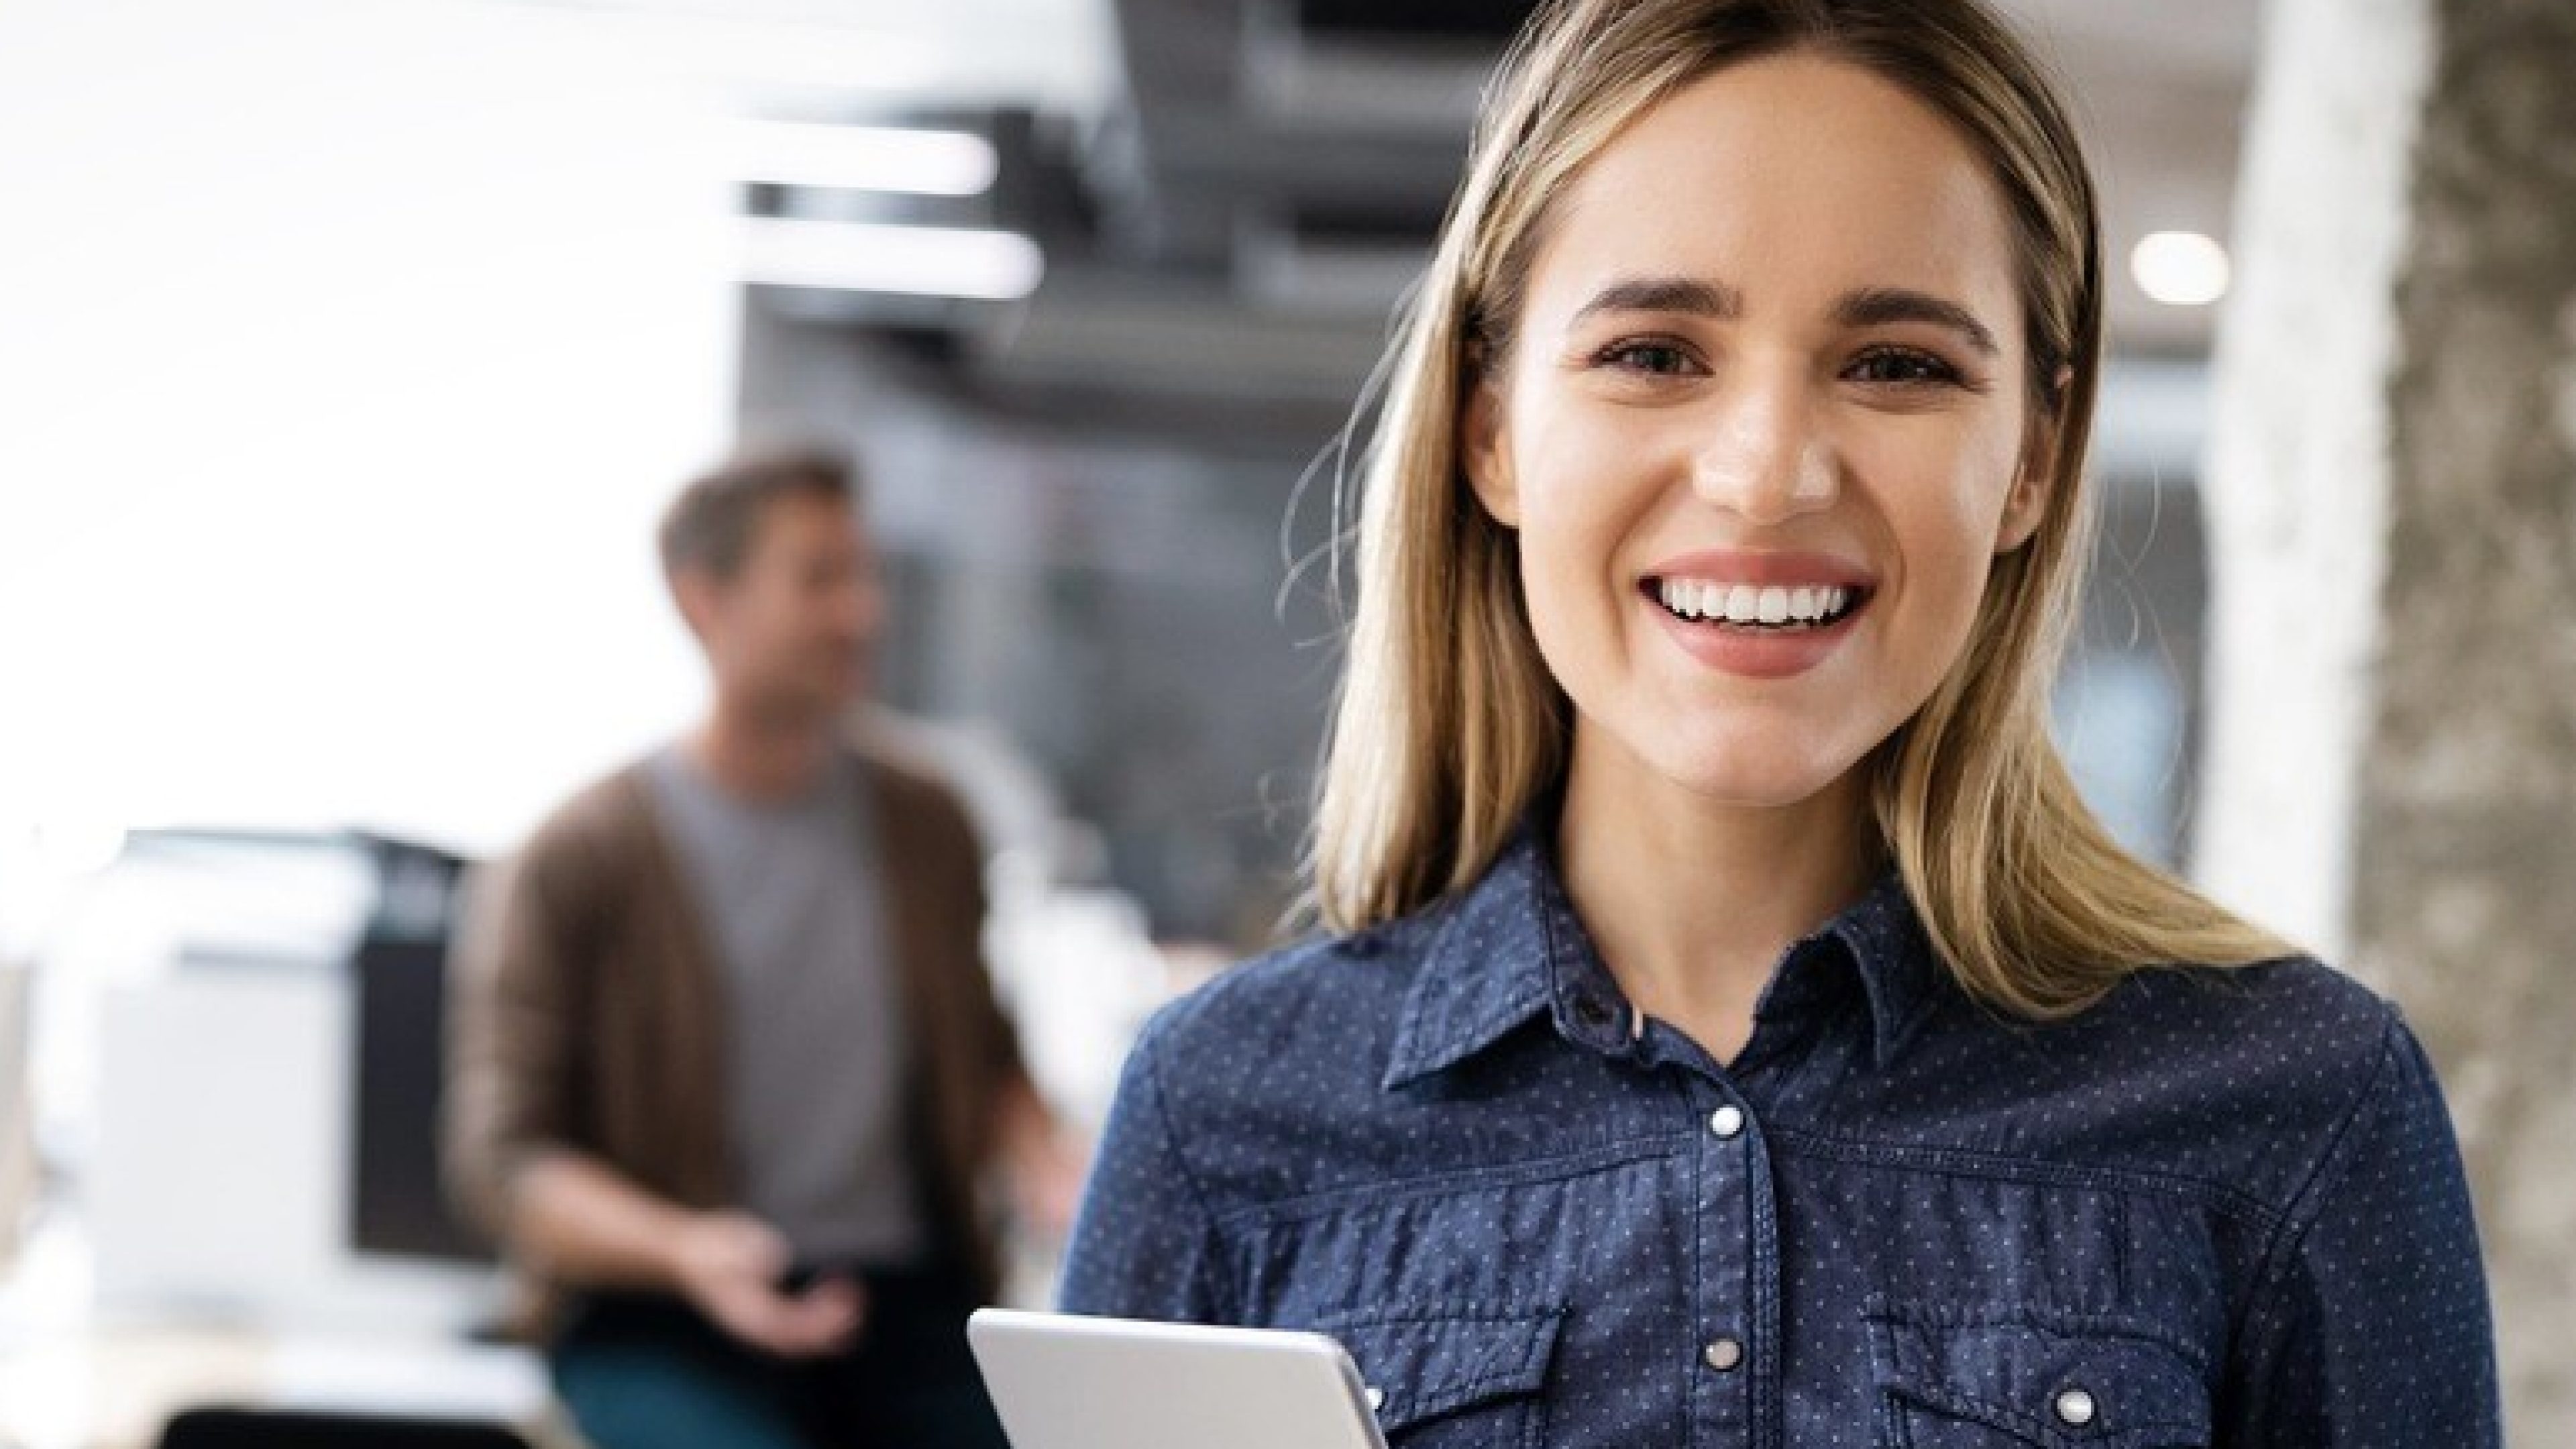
x: 1765, y: 457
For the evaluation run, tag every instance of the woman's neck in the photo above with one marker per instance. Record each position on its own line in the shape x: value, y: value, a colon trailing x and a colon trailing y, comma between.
x: 1692, y: 902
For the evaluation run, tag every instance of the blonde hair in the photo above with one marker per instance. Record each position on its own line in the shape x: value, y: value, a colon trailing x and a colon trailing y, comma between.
x: 1449, y: 725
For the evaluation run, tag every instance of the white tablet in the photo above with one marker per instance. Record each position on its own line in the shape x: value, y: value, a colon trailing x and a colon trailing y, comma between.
x: 1065, y: 1382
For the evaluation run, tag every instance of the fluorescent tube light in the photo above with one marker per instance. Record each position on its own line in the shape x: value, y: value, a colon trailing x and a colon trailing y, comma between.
x: 923, y: 261
x: 863, y: 158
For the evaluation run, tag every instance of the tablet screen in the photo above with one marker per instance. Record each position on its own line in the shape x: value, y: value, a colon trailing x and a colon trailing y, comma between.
x: 1067, y: 1382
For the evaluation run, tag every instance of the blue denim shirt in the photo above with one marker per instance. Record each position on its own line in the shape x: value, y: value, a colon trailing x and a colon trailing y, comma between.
x: 2221, y: 1208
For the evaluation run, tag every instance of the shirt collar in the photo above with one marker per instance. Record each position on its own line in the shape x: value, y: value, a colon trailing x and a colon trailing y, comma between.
x: 1511, y: 947
x: 1486, y: 971
x: 1883, y: 943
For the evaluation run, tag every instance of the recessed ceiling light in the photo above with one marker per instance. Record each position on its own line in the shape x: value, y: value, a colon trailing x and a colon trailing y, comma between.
x: 2180, y: 268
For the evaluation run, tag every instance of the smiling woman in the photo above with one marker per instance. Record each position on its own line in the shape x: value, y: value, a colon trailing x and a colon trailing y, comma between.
x: 1805, y: 397
x: 1738, y: 1032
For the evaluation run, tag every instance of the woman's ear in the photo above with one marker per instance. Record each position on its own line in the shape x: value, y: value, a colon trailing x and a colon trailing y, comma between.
x: 2036, y: 478
x: 1482, y: 453
x: 2026, y: 504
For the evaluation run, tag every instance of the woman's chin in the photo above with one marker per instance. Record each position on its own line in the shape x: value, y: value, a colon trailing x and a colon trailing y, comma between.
x: 1745, y: 775
x: 1643, y: 750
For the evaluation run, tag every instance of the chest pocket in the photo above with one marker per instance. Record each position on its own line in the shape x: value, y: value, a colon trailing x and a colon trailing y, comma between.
x: 1950, y: 1379
x: 1454, y: 1379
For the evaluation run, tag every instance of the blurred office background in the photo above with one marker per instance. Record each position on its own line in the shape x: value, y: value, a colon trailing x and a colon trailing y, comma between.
x: 348, y: 351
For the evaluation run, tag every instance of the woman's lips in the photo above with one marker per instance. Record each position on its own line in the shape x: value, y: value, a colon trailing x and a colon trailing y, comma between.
x: 1759, y: 567
x: 1757, y: 631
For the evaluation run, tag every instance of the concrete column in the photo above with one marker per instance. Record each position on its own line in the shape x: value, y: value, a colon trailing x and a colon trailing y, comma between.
x: 2392, y: 495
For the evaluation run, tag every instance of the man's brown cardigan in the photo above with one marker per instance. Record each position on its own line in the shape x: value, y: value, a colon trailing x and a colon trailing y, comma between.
x: 587, y: 1012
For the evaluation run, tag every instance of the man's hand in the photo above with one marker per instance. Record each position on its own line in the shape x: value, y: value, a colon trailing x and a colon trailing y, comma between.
x: 729, y: 1264
x: 1045, y: 1170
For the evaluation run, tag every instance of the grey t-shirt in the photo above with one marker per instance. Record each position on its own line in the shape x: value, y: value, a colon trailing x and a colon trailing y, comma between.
x: 815, y: 1047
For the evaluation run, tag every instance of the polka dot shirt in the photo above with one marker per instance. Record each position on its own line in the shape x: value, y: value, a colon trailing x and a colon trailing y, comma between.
x: 2221, y: 1208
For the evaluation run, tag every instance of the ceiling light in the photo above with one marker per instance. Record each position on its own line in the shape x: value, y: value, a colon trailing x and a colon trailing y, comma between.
x: 924, y: 261
x: 863, y: 158
x: 2180, y: 268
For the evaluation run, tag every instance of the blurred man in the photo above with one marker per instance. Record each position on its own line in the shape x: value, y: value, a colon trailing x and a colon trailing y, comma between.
x: 728, y: 1072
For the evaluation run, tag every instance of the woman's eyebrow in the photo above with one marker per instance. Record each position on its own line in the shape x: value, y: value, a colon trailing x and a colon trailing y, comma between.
x: 1666, y: 294
x: 1877, y: 306
x: 1866, y: 307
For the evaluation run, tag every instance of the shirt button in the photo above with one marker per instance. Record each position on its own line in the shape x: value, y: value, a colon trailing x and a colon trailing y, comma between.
x: 1724, y: 1354
x: 1726, y: 1121
x: 1376, y: 1398
x: 2075, y: 1407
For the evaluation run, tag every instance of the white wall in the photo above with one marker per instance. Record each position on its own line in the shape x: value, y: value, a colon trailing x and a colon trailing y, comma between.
x: 2297, y: 479
x: 347, y: 350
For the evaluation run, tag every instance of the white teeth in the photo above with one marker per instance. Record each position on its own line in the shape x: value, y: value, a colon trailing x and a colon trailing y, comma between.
x: 1748, y: 604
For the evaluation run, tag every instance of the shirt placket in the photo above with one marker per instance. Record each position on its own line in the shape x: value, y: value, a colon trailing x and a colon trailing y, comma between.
x: 1732, y: 1363
x: 1734, y: 1360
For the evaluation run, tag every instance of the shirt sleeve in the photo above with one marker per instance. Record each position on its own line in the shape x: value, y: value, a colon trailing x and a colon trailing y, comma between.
x: 1144, y: 1243
x: 2372, y: 1327
x: 1002, y: 1058
x: 512, y: 1034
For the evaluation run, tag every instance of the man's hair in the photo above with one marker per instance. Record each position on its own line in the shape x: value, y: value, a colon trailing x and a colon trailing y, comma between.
x: 710, y: 525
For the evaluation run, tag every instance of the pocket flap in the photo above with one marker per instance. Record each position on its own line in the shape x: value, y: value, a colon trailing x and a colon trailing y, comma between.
x: 2063, y: 1381
x: 1421, y: 1367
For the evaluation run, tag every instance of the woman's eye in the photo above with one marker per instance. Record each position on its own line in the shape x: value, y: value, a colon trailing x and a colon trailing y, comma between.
x: 1900, y: 367
x: 1657, y: 359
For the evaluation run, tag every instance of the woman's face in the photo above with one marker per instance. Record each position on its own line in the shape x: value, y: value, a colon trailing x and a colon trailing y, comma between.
x: 1762, y: 427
